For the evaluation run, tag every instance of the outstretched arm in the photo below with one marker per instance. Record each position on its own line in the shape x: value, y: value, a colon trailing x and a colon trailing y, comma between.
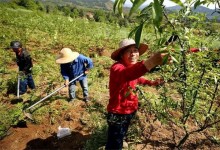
x: 156, y: 82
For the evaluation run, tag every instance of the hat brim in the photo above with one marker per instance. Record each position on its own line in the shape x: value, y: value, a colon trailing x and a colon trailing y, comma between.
x: 69, y: 58
x: 116, y: 54
x: 14, y: 47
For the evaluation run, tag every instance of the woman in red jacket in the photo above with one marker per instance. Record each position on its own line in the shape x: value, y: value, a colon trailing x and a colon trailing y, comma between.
x: 125, y: 74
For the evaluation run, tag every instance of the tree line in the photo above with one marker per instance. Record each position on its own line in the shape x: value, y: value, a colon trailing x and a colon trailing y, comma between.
x: 70, y: 10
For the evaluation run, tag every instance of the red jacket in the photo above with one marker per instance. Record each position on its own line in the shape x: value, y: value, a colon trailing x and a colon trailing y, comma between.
x: 122, y: 84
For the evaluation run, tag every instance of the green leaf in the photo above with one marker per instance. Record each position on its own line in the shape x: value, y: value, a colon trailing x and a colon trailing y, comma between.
x: 194, y: 17
x: 138, y: 34
x: 178, y: 2
x: 133, y: 32
x: 174, y: 59
x: 198, y: 3
x: 163, y: 51
x: 137, y: 31
x: 215, y: 79
x: 115, y: 5
x: 127, y: 94
x: 120, y: 8
x: 157, y: 12
x: 165, y: 59
x: 135, y: 6
x: 161, y: 41
x: 119, y: 4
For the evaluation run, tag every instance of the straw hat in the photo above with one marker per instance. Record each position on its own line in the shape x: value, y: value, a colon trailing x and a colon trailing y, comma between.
x: 66, y: 55
x: 125, y: 44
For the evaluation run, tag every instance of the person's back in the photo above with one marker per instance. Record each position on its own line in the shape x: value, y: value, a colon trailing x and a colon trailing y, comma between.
x: 73, y: 65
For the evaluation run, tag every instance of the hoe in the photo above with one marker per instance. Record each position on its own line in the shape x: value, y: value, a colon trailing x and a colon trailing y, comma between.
x: 28, y: 115
x: 18, y: 99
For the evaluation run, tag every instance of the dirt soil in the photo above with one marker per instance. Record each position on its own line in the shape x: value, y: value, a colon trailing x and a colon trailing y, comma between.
x: 28, y: 135
x: 34, y: 136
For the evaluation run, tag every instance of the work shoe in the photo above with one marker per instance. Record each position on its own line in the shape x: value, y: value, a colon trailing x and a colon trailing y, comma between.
x: 22, y: 93
x: 86, y: 99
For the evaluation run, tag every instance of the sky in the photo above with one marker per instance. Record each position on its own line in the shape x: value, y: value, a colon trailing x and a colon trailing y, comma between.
x: 167, y: 3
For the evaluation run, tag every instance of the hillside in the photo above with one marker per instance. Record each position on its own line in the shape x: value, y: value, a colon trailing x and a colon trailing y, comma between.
x: 201, y: 9
x: 108, y: 5
x: 95, y: 4
x: 160, y: 122
x: 99, y: 4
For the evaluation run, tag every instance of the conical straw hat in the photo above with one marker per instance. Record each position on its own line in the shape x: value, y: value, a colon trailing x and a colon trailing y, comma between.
x: 126, y: 43
x: 66, y: 55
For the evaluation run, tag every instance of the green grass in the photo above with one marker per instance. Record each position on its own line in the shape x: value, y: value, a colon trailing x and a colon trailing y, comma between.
x: 45, y: 34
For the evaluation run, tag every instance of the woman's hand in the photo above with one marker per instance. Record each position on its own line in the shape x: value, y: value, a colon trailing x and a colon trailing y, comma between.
x: 66, y: 83
x: 155, y: 60
x: 158, y: 81
x: 86, y: 72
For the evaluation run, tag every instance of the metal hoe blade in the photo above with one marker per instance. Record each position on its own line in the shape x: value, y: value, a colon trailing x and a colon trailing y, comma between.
x: 28, y: 115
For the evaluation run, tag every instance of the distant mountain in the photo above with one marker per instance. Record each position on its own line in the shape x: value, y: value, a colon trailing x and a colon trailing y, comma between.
x: 174, y: 8
x: 98, y: 4
x: 200, y: 9
x: 108, y: 5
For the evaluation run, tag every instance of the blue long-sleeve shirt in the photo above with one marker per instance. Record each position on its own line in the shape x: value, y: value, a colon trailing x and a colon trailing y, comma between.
x: 76, y: 67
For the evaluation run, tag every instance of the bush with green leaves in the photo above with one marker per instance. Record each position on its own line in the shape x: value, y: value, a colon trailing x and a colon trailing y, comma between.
x: 192, y: 75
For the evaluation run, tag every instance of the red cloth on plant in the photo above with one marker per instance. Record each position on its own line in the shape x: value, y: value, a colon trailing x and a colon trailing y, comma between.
x: 122, y: 84
x: 194, y: 50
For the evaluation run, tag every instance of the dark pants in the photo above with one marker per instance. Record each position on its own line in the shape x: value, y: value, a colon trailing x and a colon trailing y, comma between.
x: 26, y: 81
x: 117, y: 129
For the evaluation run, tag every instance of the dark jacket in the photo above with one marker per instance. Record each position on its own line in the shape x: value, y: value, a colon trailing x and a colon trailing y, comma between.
x: 24, y: 61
